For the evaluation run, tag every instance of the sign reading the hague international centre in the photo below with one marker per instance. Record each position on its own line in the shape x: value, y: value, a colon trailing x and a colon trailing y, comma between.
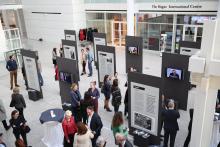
x: 180, y: 6
x: 31, y: 73
x: 144, y: 107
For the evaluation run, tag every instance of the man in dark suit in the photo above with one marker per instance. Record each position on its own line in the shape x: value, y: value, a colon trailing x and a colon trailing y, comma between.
x: 121, y: 139
x: 94, y: 123
x: 171, y: 126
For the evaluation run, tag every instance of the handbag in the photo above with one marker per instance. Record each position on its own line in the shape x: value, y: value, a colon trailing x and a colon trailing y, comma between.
x: 26, y: 129
x: 19, y: 143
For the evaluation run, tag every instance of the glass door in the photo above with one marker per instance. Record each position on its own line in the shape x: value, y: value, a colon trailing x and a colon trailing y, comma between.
x: 119, y: 31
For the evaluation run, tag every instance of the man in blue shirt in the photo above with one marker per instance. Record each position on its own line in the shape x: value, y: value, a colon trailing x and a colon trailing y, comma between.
x: 90, y: 60
x: 12, y: 67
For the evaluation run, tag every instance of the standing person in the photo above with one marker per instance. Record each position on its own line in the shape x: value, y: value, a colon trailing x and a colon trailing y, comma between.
x: 83, y: 136
x: 12, y: 67
x: 87, y: 101
x: 3, y: 116
x: 188, y: 138
x: 94, y: 123
x: 116, y: 95
x: 39, y: 67
x: 90, y: 60
x: 126, y: 103
x: 18, y: 123
x: 17, y: 101
x: 2, y: 144
x: 118, y: 125
x: 61, y: 51
x: 107, y: 92
x: 170, y: 124
x: 75, y: 101
x: 83, y: 61
x: 122, y: 140
x: 69, y: 129
x: 94, y: 92
x: 54, y: 57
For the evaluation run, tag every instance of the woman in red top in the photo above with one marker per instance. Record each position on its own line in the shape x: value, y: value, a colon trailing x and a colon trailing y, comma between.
x: 69, y: 129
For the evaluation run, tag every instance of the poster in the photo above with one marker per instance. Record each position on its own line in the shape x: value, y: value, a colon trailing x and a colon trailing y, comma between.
x: 144, y: 107
x: 106, y: 64
x: 31, y: 73
x: 98, y: 41
x: 71, y: 37
x: 69, y: 52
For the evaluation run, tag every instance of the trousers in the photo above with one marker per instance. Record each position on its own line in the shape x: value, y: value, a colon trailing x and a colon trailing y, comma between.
x: 13, y: 77
x: 169, y: 134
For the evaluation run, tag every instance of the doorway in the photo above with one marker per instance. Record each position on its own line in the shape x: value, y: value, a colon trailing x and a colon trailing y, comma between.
x: 119, y: 32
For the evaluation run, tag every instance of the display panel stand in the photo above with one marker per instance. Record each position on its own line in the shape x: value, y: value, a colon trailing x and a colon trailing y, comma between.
x: 31, y: 72
x: 98, y: 39
x: 134, y: 53
x: 68, y: 66
x: 144, y: 103
x: 106, y: 62
x: 70, y: 49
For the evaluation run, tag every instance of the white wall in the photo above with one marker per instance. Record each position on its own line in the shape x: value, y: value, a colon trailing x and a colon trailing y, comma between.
x: 2, y: 43
x: 50, y: 27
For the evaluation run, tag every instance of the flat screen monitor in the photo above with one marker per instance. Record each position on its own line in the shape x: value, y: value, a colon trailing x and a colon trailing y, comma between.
x: 133, y: 50
x: 65, y: 77
x: 173, y: 73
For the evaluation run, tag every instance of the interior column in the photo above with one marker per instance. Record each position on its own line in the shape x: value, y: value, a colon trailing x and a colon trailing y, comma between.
x: 130, y: 17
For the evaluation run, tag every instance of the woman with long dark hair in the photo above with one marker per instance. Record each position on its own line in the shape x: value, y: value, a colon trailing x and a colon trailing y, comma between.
x: 118, y: 125
x: 18, y: 123
x: 116, y: 95
x: 107, y: 92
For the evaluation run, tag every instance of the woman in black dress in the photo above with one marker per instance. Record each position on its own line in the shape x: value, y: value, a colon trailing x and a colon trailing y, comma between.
x: 18, y: 123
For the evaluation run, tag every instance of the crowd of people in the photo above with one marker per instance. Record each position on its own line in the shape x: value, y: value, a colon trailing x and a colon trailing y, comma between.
x: 82, y: 125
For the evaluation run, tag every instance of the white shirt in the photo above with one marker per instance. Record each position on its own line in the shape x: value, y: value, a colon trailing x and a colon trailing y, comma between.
x: 89, y: 120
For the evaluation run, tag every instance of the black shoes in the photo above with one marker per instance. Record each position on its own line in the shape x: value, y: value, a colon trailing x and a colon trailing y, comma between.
x: 17, y: 85
x: 108, y: 110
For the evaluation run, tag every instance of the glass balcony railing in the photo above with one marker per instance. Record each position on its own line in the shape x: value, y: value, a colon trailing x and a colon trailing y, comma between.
x: 8, y: 2
x: 105, y: 1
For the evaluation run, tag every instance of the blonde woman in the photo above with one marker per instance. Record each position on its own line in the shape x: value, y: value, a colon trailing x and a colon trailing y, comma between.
x: 17, y: 101
x: 69, y: 129
x: 75, y: 101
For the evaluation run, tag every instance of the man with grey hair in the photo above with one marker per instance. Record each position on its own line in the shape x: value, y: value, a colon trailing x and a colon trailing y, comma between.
x: 171, y: 127
x: 122, y: 140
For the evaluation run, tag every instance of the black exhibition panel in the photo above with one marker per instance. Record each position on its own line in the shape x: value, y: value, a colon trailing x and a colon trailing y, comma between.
x: 98, y: 39
x: 69, y: 44
x: 134, y: 60
x: 70, y: 35
x: 105, y: 51
x: 29, y: 59
x: 173, y: 88
x: 68, y: 66
x: 153, y: 82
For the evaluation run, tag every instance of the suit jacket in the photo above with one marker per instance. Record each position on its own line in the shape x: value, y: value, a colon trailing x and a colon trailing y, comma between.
x: 128, y: 144
x: 96, y: 124
x: 17, y: 101
x: 170, y: 120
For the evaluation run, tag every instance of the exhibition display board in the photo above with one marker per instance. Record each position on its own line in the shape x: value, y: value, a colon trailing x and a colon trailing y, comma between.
x: 70, y: 35
x: 134, y: 53
x: 175, y: 77
x: 189, y: 47
x: 144, y: 93
x: 70, y: 49
x: 106, y: 61
x: 98, y: 39
x: 31, y: 70
x: 68, y: 74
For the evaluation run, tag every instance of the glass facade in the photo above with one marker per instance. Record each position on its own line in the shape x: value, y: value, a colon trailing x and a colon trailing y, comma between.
x: 105, y: 1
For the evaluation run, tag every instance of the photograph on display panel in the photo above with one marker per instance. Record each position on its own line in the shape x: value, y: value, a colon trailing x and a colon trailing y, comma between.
x: 70, y: 37
x: 106, y: 64
x: 144, y: 107
x: 69, y: 52
x: 31, y: 73
x: 98, y: 41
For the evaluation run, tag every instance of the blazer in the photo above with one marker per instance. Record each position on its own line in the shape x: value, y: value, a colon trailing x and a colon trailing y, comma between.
x: 17, y: 124
x: 107, y: 89
x: 128, y: 144
x: 75, y: 98
x: 17, y: 101
x: 170, y: 120
x: 96, y: 124
x: 94, y: 93
x: 11, y: 65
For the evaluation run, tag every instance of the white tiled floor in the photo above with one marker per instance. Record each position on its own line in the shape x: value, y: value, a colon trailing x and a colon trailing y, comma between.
x: 152, y: 65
